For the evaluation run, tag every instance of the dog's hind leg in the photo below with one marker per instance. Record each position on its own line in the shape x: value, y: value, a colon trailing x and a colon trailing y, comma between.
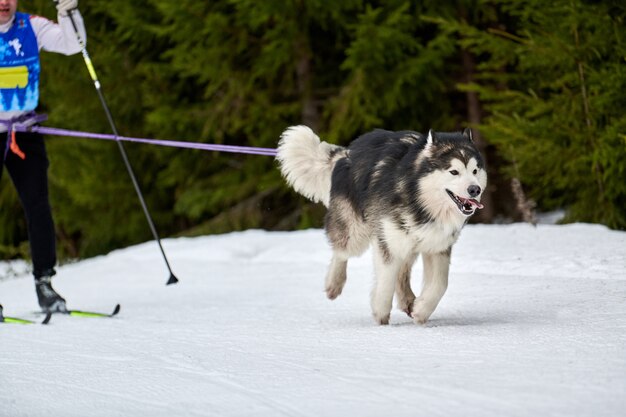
x: 342, y: 250
x: 404, y: 294
x: 336, y: 276
x: 386, y: 269
x: 436, y: 267
x: 348, y: 237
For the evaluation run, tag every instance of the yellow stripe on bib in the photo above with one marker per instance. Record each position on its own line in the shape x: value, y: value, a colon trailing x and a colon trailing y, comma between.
x: 10, y: 77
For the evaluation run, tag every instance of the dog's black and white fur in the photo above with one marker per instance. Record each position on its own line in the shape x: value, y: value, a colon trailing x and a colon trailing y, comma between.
x: 402, y: 192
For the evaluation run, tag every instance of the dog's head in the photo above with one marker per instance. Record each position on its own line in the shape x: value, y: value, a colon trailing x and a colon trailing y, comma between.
x: 454, y: 174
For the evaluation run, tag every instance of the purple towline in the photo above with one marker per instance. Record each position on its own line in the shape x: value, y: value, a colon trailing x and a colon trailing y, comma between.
x: 176, y: 144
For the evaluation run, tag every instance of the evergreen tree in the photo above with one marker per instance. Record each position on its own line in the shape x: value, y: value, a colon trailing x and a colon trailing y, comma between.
x: 553, y: 76
x: 549, y: 76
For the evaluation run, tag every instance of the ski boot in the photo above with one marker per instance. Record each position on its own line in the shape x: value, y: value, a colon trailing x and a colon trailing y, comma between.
x: 49, y: 300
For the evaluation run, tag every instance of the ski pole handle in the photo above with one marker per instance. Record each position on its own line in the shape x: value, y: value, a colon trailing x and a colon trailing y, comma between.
x: 70, y: 14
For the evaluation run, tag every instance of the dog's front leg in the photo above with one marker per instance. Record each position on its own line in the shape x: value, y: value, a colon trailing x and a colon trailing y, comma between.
x: 336, y: 276
x: 386, y: 270
x: 436, y: 267
x: 404, y: 294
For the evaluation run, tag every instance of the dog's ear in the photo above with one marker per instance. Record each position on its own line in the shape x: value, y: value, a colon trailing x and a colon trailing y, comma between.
x: 431, y: 137
x: 467, y: 133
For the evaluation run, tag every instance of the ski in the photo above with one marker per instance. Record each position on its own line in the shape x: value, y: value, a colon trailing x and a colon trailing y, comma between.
x: 81, y: 313
x: 46, y: 320
x: 17, y: 320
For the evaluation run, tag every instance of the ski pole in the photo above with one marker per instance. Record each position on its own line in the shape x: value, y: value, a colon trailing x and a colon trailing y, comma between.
x: 172, y: 279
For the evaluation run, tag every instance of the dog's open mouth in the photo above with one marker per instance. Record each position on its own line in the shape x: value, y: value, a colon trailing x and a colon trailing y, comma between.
x: 467, y: 206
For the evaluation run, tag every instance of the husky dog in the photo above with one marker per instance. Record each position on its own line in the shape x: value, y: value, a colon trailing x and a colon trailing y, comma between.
x: 402, y: 192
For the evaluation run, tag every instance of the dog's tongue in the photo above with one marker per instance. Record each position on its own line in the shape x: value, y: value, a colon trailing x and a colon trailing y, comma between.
x: 476, y: 203
x: 472, y: 202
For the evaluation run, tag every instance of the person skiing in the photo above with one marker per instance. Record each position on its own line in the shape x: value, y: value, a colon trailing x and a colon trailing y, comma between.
x: 22, y: 37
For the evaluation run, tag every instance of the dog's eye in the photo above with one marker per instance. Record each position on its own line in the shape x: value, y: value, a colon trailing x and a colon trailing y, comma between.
x: 454, y: 172
x: 475, y: 171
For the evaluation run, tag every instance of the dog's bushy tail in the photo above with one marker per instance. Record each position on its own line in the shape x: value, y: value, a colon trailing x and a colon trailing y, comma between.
x: 307, y: 163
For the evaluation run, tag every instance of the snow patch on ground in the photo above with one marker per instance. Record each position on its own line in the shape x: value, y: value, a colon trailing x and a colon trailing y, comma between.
x: 533, y: 324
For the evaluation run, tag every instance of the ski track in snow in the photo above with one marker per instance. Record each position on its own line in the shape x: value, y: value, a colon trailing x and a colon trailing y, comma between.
x: 533, y: 324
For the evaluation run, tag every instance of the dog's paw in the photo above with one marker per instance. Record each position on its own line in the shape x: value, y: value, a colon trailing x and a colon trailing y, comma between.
x: 418, y: 319
x: 420, y: 312
x: 382, y: 320
x: 333, y: 291
x: 406, y: 306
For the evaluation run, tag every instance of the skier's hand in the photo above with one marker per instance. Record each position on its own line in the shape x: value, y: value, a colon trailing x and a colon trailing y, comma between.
x: 64, y: 6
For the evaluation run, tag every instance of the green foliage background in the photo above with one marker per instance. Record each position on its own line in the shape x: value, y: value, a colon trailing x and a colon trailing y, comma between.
x: 550, y: 77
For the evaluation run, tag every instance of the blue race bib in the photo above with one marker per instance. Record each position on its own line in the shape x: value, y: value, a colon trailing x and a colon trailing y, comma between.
x: 19, y: 66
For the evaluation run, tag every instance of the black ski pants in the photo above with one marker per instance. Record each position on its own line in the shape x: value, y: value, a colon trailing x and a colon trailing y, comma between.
x: 30, y: 177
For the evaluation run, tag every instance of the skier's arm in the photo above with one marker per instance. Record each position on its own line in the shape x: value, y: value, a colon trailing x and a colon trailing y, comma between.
x: 61, y: 37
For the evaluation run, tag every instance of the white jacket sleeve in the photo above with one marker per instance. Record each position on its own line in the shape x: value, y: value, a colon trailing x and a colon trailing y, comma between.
x: 61, y: 37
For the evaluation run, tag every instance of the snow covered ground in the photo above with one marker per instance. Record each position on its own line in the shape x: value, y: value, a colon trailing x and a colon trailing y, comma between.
x: 533, y: 324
